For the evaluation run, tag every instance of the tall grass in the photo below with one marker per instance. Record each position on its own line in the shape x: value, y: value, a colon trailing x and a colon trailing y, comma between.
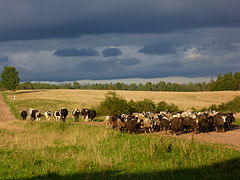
x: 72, y: 151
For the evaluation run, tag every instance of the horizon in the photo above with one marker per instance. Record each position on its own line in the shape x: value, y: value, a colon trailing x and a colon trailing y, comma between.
x: 178, y: 80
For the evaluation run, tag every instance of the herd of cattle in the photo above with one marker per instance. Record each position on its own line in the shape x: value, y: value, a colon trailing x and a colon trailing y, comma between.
x: 176, y: 123
x: 59, y: 115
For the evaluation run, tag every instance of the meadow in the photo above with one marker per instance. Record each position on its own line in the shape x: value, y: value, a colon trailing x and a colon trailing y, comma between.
x: 90, y: 98
x: 50, y: 150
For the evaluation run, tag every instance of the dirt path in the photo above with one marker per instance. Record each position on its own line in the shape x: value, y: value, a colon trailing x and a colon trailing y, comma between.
x: 229, y: 139
x: 5, y: 113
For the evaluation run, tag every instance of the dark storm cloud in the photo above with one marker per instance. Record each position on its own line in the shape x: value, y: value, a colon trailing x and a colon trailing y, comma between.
x: 101, y: 65
x: 108, y: 52
x: 76, y: 52
x: 28, y: 19
x: 159, y: 48
x: 129, y: 62
x: 3, y: 60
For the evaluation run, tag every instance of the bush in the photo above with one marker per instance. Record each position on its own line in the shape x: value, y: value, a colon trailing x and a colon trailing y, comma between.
x: 163, y: 106
x: 145, y: 105
x: 113, y: 104
x: 230, y: 106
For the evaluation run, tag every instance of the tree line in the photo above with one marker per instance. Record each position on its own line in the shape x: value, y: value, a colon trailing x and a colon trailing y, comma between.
x: 226, y: 81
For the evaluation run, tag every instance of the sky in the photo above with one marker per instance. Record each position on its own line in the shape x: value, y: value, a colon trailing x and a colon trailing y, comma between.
x: 68, y: 40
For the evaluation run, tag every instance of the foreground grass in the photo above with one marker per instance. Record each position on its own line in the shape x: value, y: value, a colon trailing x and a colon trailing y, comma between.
x: 31, y: 150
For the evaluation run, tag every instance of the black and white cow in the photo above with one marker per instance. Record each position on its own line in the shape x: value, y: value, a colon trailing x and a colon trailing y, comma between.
x: 35, y: 114
x: 76, y: 113
x: 57, y: 115
x: 48, y: 115
x: 86, y: 113
x: 24, y: 115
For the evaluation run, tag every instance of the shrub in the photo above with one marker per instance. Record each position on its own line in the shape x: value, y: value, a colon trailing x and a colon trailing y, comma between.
x: 230, y: 106
x: 163, y: 106
x: 145, y: 105
x: 113, y: 104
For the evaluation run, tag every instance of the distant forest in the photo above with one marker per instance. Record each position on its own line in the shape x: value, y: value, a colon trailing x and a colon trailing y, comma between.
x: 227, y: 81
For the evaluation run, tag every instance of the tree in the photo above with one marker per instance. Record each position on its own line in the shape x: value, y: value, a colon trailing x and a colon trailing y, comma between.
x: 114, y: 104
x: 10, y: 78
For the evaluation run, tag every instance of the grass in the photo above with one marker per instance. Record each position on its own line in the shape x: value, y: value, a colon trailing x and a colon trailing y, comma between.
x: 48, y: 150
x: 89, y: 98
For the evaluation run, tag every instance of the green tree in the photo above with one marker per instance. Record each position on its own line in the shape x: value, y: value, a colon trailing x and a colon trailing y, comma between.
x: 10, y: 78
x: 145, y: 105
x: 113, y: 104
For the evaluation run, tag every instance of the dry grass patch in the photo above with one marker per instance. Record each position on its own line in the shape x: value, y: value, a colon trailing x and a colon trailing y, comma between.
x: 89, y: 98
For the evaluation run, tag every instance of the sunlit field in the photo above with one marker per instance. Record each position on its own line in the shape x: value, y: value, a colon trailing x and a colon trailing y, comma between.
x: 91, y: 98
x: 58, y: 150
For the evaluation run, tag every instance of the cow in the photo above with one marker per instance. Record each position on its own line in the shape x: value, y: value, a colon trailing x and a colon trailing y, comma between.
x: 147, y: 124
x: 219, y: 122
x: 85, y: 114
x: 92, y: 114
x: 76, y: 113
x: 230, y: 119
x: 111, y: 121
x: 121, y: 125
x: 203, y: 122
x: 175, y: 125
x: 164, y: 123
x: 24, y: 115
x: 133, y: 125
x: 63, y: 113
x: 57, y: 116
x: 189, y: 124
x: 35, y: 114
x: 48, y: 115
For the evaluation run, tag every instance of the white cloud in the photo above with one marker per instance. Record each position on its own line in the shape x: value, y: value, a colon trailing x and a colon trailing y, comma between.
x: 193, y: 53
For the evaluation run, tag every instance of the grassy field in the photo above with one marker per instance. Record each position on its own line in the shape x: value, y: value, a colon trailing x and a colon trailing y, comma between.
x: 52, y: 99
x: 48, y: 150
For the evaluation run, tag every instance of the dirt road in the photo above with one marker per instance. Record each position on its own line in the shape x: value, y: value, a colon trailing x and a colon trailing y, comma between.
x: 229, y: 139
x: 5, y: 114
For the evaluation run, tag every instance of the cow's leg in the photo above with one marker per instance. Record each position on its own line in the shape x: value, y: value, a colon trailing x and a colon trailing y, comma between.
x: 86, y: 118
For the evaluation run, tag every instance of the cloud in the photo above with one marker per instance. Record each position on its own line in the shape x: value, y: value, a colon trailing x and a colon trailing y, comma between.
x: 129, y: 62
x: 67, y: 19
x: 108, y: 52
x: 199, y: 52
x: 3, y: 62
x: 159, y: 48
x: 192, y: 53
x: 76, y: 52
